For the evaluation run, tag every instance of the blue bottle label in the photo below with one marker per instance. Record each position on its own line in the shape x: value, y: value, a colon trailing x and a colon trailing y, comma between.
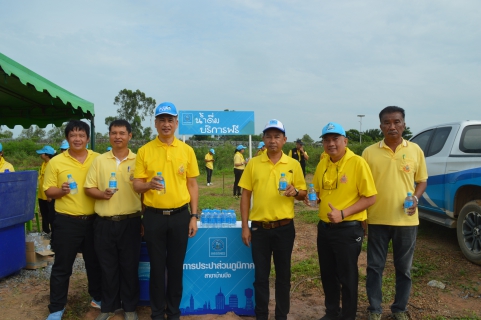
x: 312, y: 197
x: 283, y: 185
x: 112, y: 184
x: 72, y: 185
x: 408, y: 204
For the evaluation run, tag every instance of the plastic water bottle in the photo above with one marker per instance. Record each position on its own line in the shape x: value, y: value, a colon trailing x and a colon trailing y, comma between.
x: 218, y: 218
x: 282, y: 184
x: 209, y: 218
x: 113, y: 183
x: 225, y: 216
x: 233, y: 219
x: 312, y: 196
x: 162, y: 182
x: 202, y: 219
x: 72, y: 184
x: 408, y: 202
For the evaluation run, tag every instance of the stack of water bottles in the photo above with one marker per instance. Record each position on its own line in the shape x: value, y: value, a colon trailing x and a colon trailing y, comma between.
x: 216, y: 218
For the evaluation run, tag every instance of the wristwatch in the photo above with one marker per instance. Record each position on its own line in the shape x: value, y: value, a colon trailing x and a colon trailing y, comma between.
x: 195, y: 215
x: 297, y: 192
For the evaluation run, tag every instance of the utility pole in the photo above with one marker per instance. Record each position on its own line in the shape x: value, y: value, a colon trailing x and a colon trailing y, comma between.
x: 360, y: 127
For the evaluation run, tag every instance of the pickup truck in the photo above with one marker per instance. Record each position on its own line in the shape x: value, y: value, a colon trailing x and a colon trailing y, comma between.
x: 453, y: 194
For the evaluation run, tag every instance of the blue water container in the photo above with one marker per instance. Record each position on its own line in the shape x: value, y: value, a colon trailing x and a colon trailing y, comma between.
x: 18, y: 193
x: 144, y: 276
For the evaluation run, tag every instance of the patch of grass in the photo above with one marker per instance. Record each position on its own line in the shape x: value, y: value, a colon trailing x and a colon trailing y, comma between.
x: 420, y: 269
x: 308, y: 216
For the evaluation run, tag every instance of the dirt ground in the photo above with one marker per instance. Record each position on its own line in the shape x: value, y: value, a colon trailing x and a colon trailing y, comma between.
x: 437, y: 258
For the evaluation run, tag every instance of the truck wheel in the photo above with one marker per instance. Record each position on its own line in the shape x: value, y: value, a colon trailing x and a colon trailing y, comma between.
x: 469, y: 231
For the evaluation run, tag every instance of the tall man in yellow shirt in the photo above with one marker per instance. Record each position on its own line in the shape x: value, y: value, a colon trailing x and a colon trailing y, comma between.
x: 74, y: 219
x: 167, y: 221
x: 398, y: 167
x: 345, y: 187
x: 272, y: 229
x: 209, y: 165
x: 4, y: 165
x: 118, y: 226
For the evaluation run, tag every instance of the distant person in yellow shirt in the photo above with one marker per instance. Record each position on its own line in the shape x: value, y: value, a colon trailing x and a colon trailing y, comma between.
x: 272, y: 231
x: 4, y: 165
x: 74, y: 220
x: 345, y: 187
x: 167, y: 221
x: 398, y: 167
x: 300, y: 155
x: 118, y: 227
x: 239, y: 166
x: 46, y: 205
x: 261, y: 148
x: 209, y: 165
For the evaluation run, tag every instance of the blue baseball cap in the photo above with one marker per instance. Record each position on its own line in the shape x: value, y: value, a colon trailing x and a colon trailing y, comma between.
x: 334, y: 128
x: 64, y: 145
x: 166, y: 108
x: 240, y: 147
x: 274, y: 124
x: 47, y: 149
x: 1, y: 147
x: 212, y: 151
x: 261, y: 144
x: 109, y: 148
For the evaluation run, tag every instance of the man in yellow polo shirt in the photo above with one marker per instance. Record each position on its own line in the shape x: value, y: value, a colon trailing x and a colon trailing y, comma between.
x: 272, y: 229
x: 345, y: 187
x: 118, y: 227
x: 167, y: 221
x: 261, y: 148
x: 4, y: 165
x: 74, y: 219
x: 398, y: 167
x: 209, y: 165
x: 300, y: 155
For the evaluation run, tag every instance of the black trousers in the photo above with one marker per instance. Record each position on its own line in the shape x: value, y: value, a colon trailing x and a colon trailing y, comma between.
x: 47, y: 211
x: 209, y: 174
x: 338, y: 250
x: 71, y: 236
x: 237, y: 176
x: 117, y: 244
x: 276, y: 243
x: 166, y: 238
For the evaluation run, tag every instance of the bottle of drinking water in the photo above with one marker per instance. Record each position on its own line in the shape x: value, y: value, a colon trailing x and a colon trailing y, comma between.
x: 312, y: 196
x: 282, y: 184
x: 72, y: 184
x: 203, y: 222
x: 113, y: 182
x: 408, y: 202
x: 210, y: 218
x: 225, y: 217
x: 233, y: 219
x: 217, y: 219
x: 162, y: 182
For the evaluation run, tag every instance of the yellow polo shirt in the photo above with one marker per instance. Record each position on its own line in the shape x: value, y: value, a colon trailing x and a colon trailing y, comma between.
x: 125, y: 200
x: 177, y: 162
x: 260, y: 151
x: 4, y: 165
x: 41, y: 172
x: 395, y: 174
x: 239, y: 158
x: 56, y: 174
x: 342, y: 184
x: 261, y: 176
x: 209, y: 164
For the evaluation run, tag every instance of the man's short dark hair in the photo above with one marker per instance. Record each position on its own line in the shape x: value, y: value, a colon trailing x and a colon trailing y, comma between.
x: 121, y: 123
x: 77, y: 125
x: 391, y: 109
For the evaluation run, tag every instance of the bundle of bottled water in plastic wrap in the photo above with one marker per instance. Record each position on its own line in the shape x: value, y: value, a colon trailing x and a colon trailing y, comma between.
x: 40, y: 239
x: 217, y: 218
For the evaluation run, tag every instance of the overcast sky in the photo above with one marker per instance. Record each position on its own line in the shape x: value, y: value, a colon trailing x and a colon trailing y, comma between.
x: 305, y: 63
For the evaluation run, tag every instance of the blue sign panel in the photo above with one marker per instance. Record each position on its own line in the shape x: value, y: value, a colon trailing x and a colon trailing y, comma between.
x: 218, y: 274
x: 216, y: 122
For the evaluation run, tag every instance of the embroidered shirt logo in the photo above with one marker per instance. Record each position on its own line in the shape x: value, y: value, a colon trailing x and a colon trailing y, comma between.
x: 343, y: 179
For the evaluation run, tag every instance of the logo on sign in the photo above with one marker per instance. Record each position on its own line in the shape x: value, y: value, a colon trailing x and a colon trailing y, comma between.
x: 218, y: 247
x: 187, y: 118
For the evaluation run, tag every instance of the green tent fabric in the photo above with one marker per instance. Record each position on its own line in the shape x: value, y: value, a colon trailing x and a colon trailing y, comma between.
x: 27, y: 98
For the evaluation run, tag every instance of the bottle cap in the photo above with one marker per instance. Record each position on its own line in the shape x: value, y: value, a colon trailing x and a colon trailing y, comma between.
x: 283, y: 174
x: 410, y: 194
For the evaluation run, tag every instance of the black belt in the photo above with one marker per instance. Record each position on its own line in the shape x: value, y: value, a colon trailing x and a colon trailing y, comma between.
x: 82, y: 217
x: 121, y: 217
x: 343, y: 224
x: 271, y: 224
x: 168, y: 212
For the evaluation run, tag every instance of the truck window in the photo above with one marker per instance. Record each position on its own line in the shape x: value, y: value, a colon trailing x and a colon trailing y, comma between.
x: 471, y: 139
x: 422, y: 140
x: 439, y: 139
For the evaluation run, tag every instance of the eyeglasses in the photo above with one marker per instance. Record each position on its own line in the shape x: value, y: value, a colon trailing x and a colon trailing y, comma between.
x: 329, y: 182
